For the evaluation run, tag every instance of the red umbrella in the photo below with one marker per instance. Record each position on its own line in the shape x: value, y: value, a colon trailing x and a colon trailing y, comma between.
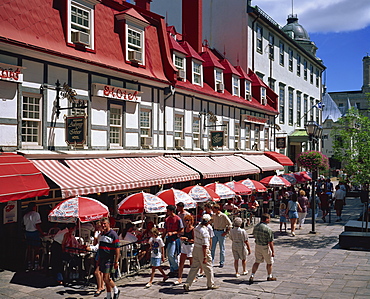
x: 221, y: 190
x: 201, y: 194
x: 137, y: 203
x: 254, y: 185
x: 275, y: 181
x: 84, y: 209
x: 239, y: 188
x: 290, y: 177
x: 173, y: 196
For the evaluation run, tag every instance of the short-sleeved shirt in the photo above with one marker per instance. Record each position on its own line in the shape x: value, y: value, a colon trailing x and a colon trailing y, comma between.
x: 108, y: 244
x: 182, y: 216
x: 156, y: 244
x: 303, y: 202
x: 30, y: 220
x: 339, y: 194
x: 220, y: 221
x: 238, y: 235
x: 293, y: 206
x: 263, y: 234
x: 201, y: 236
x: 173, y: 224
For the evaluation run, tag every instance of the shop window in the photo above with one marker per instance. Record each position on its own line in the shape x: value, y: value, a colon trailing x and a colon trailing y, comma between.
x: 31, y: 120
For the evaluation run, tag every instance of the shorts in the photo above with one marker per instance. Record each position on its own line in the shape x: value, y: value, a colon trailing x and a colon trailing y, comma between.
x: 293, y: 214
x: 240, y: 252
x: 187, y: 249
x: 263, y: 253
x: 107, y: 265
x: 33, y: 238
x: 155, y: 261
x: 282, y: 219
x: 338, y: 205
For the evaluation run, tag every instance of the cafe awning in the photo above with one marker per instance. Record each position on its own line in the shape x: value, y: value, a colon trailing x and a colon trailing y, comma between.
x: 263, y: 162
x: 280, y: 158
x: 20, y: 179
x: 89, y: 176
x: 220, y: 166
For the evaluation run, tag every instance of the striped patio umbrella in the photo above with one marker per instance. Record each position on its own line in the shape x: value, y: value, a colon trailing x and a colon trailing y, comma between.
x: 290, y: 177
x: 222, y: 190
x: 174, y: 196
x: 275, y: 181
x: 254, y: 185
x: 239, y: 188
x: 201, y: 194
x: 141, y: 202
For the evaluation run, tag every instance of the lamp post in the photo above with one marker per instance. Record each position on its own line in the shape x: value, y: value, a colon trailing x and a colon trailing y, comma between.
x: 314, y: 132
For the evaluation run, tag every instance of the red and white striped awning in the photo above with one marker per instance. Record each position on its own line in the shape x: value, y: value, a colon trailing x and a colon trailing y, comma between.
x: 88, y: 176
x: 220, y: 166
x: 263, y: 162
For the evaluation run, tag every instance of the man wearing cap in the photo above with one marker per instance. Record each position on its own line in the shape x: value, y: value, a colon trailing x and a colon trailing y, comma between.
x: 201, y: 255
x: 173, y: 227
x: 221, y: 227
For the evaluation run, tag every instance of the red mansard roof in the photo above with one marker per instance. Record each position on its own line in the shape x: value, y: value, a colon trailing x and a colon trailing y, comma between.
x: 243, y: 74
x: 174, y: 45
x: 210, y: 59
x: 191, y: 52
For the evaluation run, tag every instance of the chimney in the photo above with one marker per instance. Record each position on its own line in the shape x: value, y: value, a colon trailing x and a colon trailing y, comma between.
x: 366, y: 73
x: 143, y: 4
x: 192, y: 23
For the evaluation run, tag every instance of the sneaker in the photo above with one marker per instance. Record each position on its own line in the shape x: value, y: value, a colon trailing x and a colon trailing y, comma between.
x: 176, y: 282
x: 214, y: 287
x: 251, y: 279
x: 148, y: 285
x: 221, y: 265
x: 116, y: 295
x: 186, y: 287
x: 237, y: 275
x: 245, y: 272
x: 293, y: 234
x: 271, y: 278
x: 200, y: 275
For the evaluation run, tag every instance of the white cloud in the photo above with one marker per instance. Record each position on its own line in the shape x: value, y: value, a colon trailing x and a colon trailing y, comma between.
x: 320, y: 15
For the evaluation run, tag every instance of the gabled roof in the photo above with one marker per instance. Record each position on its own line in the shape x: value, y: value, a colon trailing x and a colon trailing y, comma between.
x: 133, y: 14
x: 175, y: 46
x: 229, y: 69
x: 190, y: 51
x: 256, y: 81
x: 210, y: 59
x: 243, y: 74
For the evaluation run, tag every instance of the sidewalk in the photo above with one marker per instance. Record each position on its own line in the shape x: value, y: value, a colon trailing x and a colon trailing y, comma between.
x: 306, y: 266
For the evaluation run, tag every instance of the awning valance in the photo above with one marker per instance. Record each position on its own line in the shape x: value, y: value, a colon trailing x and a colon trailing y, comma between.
x: 20, y: 179
x: 88, y: 176
x: 263, y: 162
x: 280, y: 158
x: 220, y: 166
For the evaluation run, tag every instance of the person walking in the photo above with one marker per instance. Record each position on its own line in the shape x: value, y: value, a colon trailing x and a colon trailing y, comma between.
x: 157, y: 255
x: 221, y: 227
x: 292, y: 212
x: 303, y: 202
x: 282, y: 214
x: 264, y: 250
x: 109, y: 254
x: 201, y: 255
x: 339, y: 201
x: 173, y: 227
x: 324, y: 204
x: 240, y: 246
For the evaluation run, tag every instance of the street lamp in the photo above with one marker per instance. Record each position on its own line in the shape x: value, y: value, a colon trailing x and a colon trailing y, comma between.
x: 314, y: 132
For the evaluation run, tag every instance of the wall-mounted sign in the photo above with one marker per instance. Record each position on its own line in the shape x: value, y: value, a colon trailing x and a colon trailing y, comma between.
x: 10, y: 212
x: 253, y: 119
x: 217, y: 138
x: 118, y: 93
x: 11, y: 73
x: 75, y: 130
x: 280, y: 142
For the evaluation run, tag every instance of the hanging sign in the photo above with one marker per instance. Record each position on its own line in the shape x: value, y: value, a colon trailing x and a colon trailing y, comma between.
x: 217, y: 138
x: 280, y: 142
x: 10, y: 212
x: 75, y: 127
x: 118, y: 93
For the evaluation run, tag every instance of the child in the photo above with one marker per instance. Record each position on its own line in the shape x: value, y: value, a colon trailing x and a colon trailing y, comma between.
x: 157, y: 249
x: 240, y: 247
x: 282, y: 213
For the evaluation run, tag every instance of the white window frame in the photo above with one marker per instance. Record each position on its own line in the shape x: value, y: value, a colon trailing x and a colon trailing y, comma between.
x: 257, y: 136
x: 37, y: 121
x: 235, y: 85
x: 115, y: 126
x: 248, y: 136
x: 271, y: 46
x: 196, y: 132
x: 225, y: 128
x: 131, y: 46
x: 197, y: 72
x: 219, y: 77
x: 248, y: 93
x: 281, y: 53
x: 236, y: 135
x: 178, y: 126
x: 299, y: 62
x: 282, y: 104
x: 291, y: 59
x: 87, y: 29
x: 145, y: 118
x: 259, y: 38
x: 177, y: 57
x: 263, y: 95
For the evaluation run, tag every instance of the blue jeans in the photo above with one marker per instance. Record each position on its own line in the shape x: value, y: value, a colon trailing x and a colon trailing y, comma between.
x: 172, y: 256
x: 221, y: 240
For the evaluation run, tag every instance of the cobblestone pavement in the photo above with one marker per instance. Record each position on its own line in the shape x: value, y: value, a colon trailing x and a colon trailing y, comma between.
x: 306, y: 266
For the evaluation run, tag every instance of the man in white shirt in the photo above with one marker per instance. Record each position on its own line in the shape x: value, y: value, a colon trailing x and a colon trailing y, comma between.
x: 339, y: 197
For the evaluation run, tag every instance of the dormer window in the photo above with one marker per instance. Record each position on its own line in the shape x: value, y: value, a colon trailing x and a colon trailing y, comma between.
x: 236, y: 86
x: 219, y: 81
x: 80, y: 23
x: 248, y: 95
x: 179, y: 62
x: 197, y: 73
x: 135, y: 44
x: 263, y: 96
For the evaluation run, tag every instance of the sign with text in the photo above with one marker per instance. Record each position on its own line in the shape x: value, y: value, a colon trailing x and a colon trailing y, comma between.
x: 75, y: 130
x: 10, y: 212
x: 217, y: 138
x: 11, y: 73
x: 118, y: 93
x: 253, y: 119
x: 280, y: 142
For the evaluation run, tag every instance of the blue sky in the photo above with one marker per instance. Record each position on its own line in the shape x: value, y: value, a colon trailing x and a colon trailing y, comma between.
x: 339, y: 28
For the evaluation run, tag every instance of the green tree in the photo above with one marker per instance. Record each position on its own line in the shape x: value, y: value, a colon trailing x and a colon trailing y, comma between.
x: 352, y: 145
